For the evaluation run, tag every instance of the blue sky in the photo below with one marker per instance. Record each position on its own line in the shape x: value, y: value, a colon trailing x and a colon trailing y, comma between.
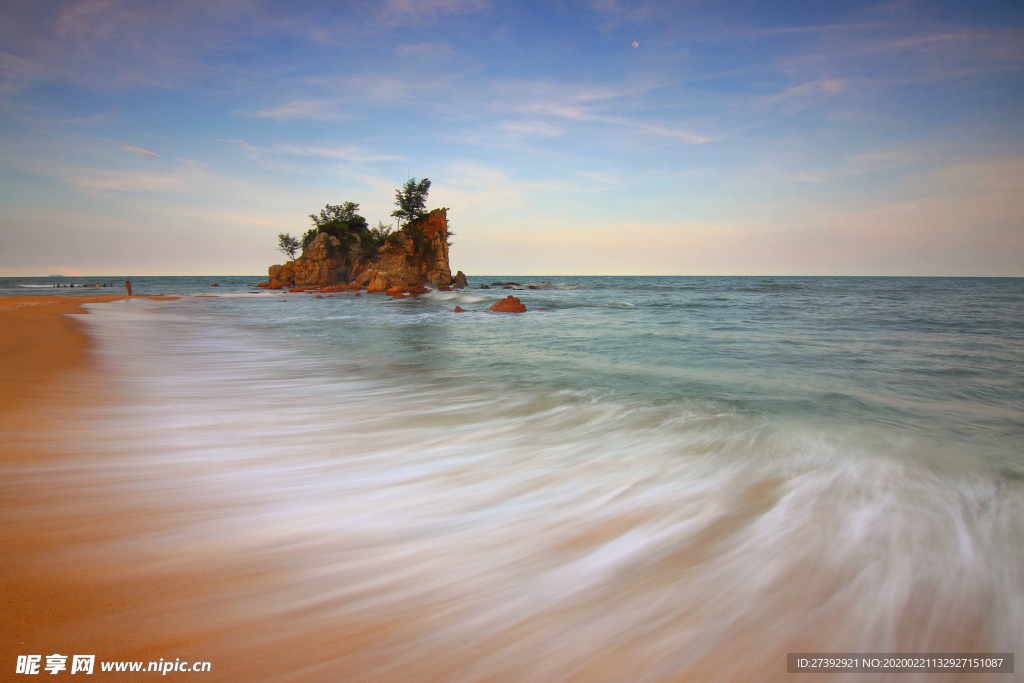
x: 734, y: 138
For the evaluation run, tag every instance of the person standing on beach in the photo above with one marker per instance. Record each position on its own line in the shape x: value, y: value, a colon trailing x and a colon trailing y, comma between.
x: 128, y: 286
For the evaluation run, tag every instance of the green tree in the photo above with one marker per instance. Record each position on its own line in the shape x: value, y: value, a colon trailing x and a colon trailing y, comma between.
x: 337, y: 213
x: 287, y: 245
x: 411, y: 200
x: 383, y: 234
x: 340, y: 221
x: 355, y: 237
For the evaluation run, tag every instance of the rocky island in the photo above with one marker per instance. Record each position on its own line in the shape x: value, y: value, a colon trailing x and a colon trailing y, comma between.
x: 414, y: 255
x: 341, y: 252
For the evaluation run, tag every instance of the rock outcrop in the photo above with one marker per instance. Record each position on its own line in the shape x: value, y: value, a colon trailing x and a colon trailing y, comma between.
x: 415, y: 255
x: 420, y: 259
x: 509, y: 304
x: 321, y: 263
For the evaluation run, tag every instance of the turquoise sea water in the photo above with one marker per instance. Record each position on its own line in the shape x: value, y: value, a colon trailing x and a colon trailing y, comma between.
x: 654, y: 473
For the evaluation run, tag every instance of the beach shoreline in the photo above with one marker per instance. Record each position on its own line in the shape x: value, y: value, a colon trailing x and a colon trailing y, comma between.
x: 80, y: 572
x: 216, y: 480
x: 40, y: 341
x: 48, y: 381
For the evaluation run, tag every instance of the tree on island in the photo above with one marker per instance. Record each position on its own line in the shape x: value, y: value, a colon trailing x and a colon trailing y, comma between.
x: 411, y: 200
x: 337, y: 213
x: 355, y: 237
x: 287, y: 245
x: 340, y: 221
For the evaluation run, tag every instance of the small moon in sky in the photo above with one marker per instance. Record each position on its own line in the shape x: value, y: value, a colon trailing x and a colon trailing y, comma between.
x: 636, y: 44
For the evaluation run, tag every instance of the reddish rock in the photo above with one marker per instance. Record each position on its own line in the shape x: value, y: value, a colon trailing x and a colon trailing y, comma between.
x: 417, y: 290
x: 358, y: 294
x: 264, y: 285
x: 509, y: 304
x: 215, y: 285
x: 293, y: 290
x: 460, y: 309
x: 417, y: 255
x: 319, y: 297
x: 379, y: 282
x: 397, y: 289
x: 420, y: 255
x: 284, y: 275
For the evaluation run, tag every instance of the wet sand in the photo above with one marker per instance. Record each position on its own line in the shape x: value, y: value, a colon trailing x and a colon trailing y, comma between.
x: 98, y: 566
x: 82, y: 572
x: 51, y: 602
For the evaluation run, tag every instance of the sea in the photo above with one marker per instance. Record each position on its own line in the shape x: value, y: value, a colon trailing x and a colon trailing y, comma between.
x: 640, y: 478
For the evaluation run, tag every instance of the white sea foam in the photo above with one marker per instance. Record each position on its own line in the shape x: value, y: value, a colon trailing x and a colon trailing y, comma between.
x: 556, y: 536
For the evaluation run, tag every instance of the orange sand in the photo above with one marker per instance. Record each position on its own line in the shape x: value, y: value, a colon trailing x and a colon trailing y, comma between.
x: 124, y: 598
x: 46, y: 377
x: 124, y: 603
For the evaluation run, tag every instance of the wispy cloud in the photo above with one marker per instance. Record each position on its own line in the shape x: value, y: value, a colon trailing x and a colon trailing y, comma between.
x: 416, y: 10
x: 599, y: 178
x: 351, y: 153
x: 241, y: 143
x: 576, y: 112
x: 530, y: 127
x: 820, y: 28
x: 130, y: 180
x: 354, y: 154
x: 18, y: 72
x: 827, y: 86
x: 616, y: 12
x: 425, y: 50
x: 321, y: 110
x: 141, y: 152
x: 594, y: 105
x: 897, y: 53
x: 95, y: 118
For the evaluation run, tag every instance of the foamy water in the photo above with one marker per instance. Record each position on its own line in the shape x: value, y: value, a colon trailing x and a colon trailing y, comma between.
x: 624, y: 487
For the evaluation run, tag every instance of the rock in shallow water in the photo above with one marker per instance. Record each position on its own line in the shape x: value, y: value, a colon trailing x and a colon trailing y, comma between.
x: 509, y: 304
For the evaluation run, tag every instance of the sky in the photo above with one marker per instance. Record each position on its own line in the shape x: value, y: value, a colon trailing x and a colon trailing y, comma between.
x: 599, y: 137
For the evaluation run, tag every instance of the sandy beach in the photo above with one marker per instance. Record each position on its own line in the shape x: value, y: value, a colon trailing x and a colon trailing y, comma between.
x: 81, y: 572
x: 51, y: 601
x: 185, y: 482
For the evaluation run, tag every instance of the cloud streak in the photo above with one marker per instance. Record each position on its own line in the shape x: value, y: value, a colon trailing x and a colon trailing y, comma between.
x: 131, y: 181
x: 145, y: 153
x: 827, y: 86
x: 354, y: 154
x: 736, y: 116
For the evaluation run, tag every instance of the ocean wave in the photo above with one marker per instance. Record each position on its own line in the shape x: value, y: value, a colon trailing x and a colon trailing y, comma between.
x: 489, y: 532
